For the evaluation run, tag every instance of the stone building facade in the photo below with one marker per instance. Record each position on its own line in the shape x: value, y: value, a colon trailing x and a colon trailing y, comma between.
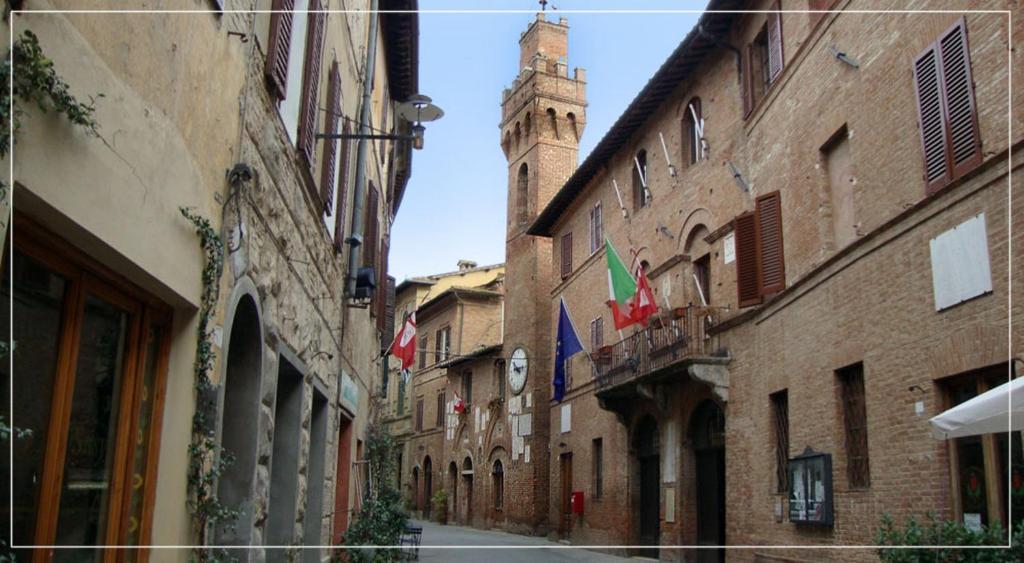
x: 795, y: 184
x: 219, y: 112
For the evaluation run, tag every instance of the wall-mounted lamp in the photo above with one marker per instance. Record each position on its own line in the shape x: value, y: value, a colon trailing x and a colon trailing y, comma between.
x: 844, y: 57
x: 416, y: 110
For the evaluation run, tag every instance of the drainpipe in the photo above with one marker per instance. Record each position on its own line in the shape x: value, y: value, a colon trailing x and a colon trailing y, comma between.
x: 362, y: 148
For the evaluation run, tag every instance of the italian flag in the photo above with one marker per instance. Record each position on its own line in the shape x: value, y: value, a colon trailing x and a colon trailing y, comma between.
x: 631, y: 302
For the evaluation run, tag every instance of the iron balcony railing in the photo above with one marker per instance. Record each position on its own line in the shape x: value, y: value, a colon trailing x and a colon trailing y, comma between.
x: 682, y: 333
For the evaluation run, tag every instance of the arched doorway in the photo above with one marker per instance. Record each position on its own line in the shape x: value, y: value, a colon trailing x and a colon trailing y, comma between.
x: 239, y: 415
x: 649, y: 464
x: 707, y: 433
x: 427, y: 487
x: 453, y: 488
x: 467, y: 494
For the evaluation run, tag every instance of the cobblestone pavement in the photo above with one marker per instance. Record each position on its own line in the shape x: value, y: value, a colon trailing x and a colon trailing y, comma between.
x: 533, y: 547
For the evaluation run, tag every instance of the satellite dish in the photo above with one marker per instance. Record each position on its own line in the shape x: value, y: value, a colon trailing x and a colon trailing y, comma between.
x: 418, y: 109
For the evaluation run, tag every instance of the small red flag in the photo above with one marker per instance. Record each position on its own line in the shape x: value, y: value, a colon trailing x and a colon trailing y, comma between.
x: 404, y: 345
x: 642, y: 306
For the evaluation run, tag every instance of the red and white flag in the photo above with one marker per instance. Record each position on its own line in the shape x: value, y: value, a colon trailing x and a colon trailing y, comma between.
x: 460, y: 405
x: 642, y: 306
x: 404, y: 345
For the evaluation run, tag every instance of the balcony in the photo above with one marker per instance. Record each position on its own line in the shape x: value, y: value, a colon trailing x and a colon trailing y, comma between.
x: 672, y: 344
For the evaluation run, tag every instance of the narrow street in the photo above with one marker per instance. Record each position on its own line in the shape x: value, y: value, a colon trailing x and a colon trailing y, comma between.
x: 436, y: 534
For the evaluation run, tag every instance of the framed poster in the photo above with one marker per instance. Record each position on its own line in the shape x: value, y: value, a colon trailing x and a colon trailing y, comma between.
x: 810, y: 488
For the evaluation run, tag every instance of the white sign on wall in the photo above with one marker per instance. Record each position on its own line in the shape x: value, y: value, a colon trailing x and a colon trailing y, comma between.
x: 729, y: 248
x: 525, y: 424
x: 960, y: 266
x: 566, y: 418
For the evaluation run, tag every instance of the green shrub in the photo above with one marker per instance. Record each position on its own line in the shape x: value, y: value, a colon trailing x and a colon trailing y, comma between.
x: 382, y: 517
x: 963, y: 544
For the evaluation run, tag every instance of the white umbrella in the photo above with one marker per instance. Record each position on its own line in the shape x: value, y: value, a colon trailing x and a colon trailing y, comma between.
x: 996, y: 410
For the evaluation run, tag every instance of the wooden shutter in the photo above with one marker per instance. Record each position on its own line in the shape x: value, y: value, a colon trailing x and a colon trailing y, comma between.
x: 927, y: 84
x: 769, y: 226
x: 370, y: 228
x: 747, y: 83
x: 958, y: 95
x: 748, y: 274
x: 775, y: 60
x: 381, y: 293
x: 340, y: 216
x: 566, y: 255
x: 331, y: 145
x: 275, y: 69
x: 311, y: 85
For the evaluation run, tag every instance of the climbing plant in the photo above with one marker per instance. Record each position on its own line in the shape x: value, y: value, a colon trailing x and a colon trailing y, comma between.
x: 381, y: 517
x: 205, y: 465
x: 35, y: 81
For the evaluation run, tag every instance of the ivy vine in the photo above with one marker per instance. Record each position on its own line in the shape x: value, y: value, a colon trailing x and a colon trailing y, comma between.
x: 205, y: 465
x: 35, y: 81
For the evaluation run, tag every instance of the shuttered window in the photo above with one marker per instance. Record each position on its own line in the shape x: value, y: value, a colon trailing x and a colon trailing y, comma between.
x: 760, y: 261
x: 748, y: 271
x: 566, y: 255
x: 763, y: 60
x: 424, y: 343
x: 851, y: 386
x: 380, y: 295
x: 330, y: 159
x: 339, y: 215
x: 775, y: 60
x: 275, y: 70
x: 780, y: 418
x: 311, y: 86
x: 439, y: 420
x: 596, y: 228
x: 947, y: 114
x: 769, y: 223
x: 387, y: 333
x: 596, y: 340
x: 371, y: 224
x: 419, y: 414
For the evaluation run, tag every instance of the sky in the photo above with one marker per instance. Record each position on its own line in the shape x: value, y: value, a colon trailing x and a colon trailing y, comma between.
x: 454, y: 204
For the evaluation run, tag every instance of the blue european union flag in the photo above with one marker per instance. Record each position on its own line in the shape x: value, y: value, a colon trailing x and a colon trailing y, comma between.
x: 567, y: 345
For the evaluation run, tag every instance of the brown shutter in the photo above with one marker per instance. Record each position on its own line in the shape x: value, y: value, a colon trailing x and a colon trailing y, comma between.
x: 370, y: 229
x: 340, y: 216
x: 311, y: 85
x: 927, y: 85
x: 566, y: 255
x: 331, y: 145
x: 958, y: 95
x: 381, y: 293
x: 769, y: 226
x: 747, y: 83
x: 388, y: 332
x: 775, y: 59
x: 748, y: 274
x: 275, y: 69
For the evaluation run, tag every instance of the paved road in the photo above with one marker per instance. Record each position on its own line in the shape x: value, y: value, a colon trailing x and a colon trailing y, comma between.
x: 533, y: 548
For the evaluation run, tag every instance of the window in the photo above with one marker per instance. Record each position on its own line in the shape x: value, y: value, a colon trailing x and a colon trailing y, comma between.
x: 855, y: 422
x: 566, y: 255
x: 760, y: 267
x: 371, y: 227
x: 424, y: 343
x: 329, y: 161
x: 89, y: 467
x: 596, y: 340
x: 467, y: 388
x: 498, y: 482
x: 780, y: 426
x: 442, y: 345
x: 522, y: 194
x: 947, y: 115
x: 499, y: 376
x: 439, y: 422
x: 702, y: 270
x: 763, y: 61
x: 401, y: 395
x: 596, y: 228
x: 979, y: 464
x: 641, y: 193
x: 597, y: 455
x: 835, y: 155
x: 692, y: 133
x: 342, y: 200
x: 419, y: 414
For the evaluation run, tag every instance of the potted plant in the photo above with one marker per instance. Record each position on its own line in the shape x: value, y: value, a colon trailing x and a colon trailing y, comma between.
x: 440, y: 506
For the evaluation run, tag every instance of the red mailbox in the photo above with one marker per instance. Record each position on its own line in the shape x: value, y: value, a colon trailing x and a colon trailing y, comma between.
x: 576, y: 501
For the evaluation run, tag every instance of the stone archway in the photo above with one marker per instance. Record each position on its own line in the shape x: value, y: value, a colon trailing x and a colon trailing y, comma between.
x: 428, y: 485
x: 466, y: 512
x: 240, y: 399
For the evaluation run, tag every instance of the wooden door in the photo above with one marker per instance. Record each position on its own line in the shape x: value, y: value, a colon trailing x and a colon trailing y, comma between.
x: 711, y: 503
x: 650, y: 504
x: 565, y: 524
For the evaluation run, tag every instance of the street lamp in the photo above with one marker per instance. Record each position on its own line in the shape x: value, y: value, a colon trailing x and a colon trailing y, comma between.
x: 416, y: 110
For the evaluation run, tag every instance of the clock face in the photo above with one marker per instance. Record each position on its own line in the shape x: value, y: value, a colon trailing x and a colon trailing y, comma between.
x: 517, y: 368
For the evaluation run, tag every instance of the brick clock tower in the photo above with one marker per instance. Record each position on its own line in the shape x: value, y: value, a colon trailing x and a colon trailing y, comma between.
x: 542, y: 119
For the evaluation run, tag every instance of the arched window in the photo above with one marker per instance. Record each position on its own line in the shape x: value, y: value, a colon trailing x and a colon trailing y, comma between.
x: 522, y: 194
x: 640, y: 190
x: 571, y: 117
x: 498, y: 478
x: 518, y: 134
x: 527, y: 125
x: 692, y: 133
x: 553, y: 122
